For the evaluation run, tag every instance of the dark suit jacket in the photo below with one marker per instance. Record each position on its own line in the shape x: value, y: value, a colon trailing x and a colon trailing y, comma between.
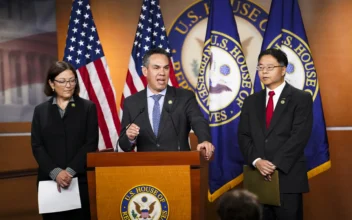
x: 184, y: 111
x: 284, y: 142
x: 64, y: 142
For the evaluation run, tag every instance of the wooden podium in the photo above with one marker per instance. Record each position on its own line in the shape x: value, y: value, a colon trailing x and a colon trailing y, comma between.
x: 168, y: 161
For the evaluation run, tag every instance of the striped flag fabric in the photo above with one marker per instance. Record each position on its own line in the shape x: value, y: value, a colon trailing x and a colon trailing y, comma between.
x: 151, y: 33
x: 85, y: 52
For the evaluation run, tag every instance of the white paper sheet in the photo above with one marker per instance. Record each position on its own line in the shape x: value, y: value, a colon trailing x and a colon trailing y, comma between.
x: 50, y: 200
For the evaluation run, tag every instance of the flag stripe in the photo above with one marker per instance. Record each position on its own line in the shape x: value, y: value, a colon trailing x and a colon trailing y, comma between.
x: 101, y: 140
x: 108, y: 90
x: 98, y: 87
x: 121, y: 109
x: 92, y: 96
x: 139, y: 81
x: 173, y: 79
x: 130, y: 84
x: 83, y: 91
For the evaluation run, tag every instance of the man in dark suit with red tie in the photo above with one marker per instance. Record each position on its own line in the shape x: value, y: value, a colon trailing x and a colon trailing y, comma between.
x: 274, y: 128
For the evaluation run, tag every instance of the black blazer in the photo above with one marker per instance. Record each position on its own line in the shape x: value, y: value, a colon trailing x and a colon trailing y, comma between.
x: 284, y: 142
x: 181, y: 105
x: 64, y: 142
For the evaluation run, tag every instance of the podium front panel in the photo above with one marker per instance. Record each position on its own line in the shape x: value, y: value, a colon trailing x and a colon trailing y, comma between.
x: 137, y: 192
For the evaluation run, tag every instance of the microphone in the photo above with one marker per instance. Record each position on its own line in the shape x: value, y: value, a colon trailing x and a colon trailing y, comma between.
x: 123, y: 132
x: 173, y: 125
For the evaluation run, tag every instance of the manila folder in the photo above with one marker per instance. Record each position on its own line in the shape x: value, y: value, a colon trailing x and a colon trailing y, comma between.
x: 268, y: 192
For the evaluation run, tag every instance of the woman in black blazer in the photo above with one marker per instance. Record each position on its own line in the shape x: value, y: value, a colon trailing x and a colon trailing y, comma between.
x: 64, y: 130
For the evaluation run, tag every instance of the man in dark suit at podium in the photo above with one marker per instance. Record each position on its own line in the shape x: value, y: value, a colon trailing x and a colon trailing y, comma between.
x: 160, y: 117
x: 274, y: 128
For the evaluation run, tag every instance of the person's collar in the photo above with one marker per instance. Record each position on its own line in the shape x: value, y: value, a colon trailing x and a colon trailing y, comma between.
x: 150, y: 93
x: 55, y: 100
x: 278, y: 89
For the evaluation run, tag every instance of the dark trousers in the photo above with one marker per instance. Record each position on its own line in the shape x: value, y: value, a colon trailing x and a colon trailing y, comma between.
x: 291, y: 208
x: 76, y: 214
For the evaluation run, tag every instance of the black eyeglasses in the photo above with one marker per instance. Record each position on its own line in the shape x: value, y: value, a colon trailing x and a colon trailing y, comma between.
x: 72, y: 82
x: 268, y: 68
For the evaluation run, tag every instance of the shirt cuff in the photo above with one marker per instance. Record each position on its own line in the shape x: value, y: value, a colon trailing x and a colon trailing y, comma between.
x: 71, y: 171
x: 53, y: 174
x: 133, y: 142
x: 256, y: 161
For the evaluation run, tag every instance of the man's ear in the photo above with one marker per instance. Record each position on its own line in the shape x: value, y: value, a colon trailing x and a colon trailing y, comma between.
x: 283, y: 71
x: 144, y: 71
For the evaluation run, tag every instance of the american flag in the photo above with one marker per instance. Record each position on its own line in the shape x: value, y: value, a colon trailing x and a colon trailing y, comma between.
x: 150, y: 33
x: 84, y: 51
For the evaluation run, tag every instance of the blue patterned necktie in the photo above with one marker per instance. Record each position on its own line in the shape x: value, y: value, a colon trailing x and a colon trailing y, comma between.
x: 156, y: 114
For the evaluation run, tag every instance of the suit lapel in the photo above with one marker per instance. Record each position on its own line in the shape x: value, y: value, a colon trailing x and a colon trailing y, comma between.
x: 55, y: 113
x: 280, y: 107
x: 71, y: 109
x: 169, y: 103
x: 74, y: 109
x: 260, y: 106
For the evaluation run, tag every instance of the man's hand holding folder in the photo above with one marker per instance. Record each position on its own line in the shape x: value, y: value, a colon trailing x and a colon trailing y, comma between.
x: 266, y: 168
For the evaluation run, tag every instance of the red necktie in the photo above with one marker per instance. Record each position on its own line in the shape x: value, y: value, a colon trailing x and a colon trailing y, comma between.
x: 270, y: 109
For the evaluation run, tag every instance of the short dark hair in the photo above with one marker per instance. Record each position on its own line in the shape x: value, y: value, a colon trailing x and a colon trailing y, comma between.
x: 153, y: 51
x: 54, y: 70
x: 239, y: 205
x: 278, y: 54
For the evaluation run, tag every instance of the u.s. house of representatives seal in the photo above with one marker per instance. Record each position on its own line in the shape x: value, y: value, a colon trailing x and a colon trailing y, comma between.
x: 224, y: 81
x: 300, y: 71
x: 187, y: 35
x: 144, y: 202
